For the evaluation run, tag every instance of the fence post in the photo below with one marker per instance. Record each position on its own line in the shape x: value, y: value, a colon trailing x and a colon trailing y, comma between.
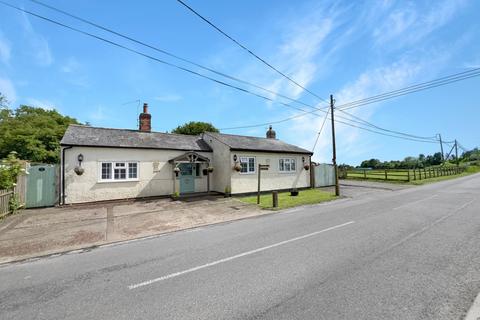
x: 414, y: 175
x: 364, y: 173
x: 386, y: 177
x: 408, y: 175
x: 419, y: 174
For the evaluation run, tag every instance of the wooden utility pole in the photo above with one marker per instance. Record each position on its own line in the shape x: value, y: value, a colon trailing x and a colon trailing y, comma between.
x: 456, y: 152
x: 441, y: 147
x: 334, y: 149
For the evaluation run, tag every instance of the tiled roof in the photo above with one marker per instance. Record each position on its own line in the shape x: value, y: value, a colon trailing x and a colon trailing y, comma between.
x: 237, y: 142
x: 77, y: 135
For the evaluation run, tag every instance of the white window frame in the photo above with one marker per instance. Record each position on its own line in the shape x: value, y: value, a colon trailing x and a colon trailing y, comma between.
x: 247, y: 158
x: 290, y: 160
x: 113, y: 166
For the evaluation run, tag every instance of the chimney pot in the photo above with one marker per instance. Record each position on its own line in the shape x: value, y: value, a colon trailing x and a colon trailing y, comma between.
x: 271, y: 134
x: 145, y: 120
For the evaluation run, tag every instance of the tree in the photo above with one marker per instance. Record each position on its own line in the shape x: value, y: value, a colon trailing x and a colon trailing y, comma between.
x: 34, y: 133
x: 195, y: 128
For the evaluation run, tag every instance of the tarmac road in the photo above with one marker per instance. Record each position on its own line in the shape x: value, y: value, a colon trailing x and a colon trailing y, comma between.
x: 405, y: 254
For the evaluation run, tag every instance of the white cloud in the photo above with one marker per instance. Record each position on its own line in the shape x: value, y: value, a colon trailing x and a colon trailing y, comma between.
x: 40, y: 49
x: 168, y: 98
x: 411, y: 23
x: 8, y: 89
x: 368, y: 83
x: 5, y: 49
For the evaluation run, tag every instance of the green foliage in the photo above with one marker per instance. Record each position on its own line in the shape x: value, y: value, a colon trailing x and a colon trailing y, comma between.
x: 195, y: 128
x: 421, y: 161
x: 10, y: 168
x: 34, y: 133
x: 14, y: 204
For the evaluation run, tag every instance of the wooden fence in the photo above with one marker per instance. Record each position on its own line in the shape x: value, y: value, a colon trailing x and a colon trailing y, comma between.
x: 405, y: 175
x: 6, y: 195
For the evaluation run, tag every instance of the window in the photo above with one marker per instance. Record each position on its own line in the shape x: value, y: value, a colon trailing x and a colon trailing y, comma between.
x: 247, y: 164
x: 106, y: 171
x: 119, y: 171
x: 287, y: 165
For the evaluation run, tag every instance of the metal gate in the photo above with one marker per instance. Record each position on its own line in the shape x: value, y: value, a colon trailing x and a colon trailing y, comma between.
x: 41, y: 186
x: 324, y: 175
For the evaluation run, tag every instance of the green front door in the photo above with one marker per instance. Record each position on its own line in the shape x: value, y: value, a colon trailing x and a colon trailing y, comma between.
x: 41, y: 186
x: 186, y: 177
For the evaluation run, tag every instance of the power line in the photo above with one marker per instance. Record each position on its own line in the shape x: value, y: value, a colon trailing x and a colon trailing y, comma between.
x: 347, y: 106
x: 166, y: 52
x: 249, y: 51
x: 181, y: 68
x: 383, y: 129
x: 320, y: 131
x: 152, y: 57
x: 412, y: 87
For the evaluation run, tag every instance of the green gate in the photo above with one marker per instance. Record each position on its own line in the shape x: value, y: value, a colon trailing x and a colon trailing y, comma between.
x: 41, y: 186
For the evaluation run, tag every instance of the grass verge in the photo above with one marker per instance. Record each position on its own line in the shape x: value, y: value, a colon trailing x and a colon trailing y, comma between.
x: 285, y: 200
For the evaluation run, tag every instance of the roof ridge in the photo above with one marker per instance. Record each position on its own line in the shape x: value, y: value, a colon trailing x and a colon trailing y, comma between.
x: 134, y: 130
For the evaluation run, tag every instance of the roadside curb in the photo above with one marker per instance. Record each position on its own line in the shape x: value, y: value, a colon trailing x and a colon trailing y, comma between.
x: 474, y: 312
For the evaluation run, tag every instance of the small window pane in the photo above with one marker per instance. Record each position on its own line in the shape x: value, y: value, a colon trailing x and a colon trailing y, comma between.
x: 132, y: 170
x: 292, y: 165
x: 281, y: 167
x: 287, y: 165
x: 106, y: 171
x: 120, y: 164
x: 244, y: 167
x: 251, y: 164
x: 119, y: 174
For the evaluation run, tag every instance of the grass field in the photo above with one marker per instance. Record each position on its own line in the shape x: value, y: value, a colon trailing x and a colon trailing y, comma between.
x: 416, y: 177
x: 285, y: 200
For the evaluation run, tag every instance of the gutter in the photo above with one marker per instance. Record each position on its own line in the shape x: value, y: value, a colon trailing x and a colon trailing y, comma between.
x: 62, y: 196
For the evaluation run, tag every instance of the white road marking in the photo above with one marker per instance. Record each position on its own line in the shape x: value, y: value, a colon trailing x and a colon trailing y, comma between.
x: 474, y: 312
x: 176, y: 274
x: 415, y: 202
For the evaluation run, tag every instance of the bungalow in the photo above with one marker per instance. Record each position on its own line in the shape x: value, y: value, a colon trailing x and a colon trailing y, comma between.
x: 100, y: 164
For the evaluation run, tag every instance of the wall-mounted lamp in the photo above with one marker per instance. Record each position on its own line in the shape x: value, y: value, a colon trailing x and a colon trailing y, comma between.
x: 306, y: 166
x: 176, y: 170
x: 78, y: 169
x: 235, y: 158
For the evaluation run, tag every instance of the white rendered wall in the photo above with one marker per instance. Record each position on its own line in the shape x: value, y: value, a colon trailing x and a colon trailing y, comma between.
x: 271, y: 179
x: 155, y: 174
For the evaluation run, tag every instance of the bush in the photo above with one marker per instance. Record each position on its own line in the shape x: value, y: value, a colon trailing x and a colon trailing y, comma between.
x: 10, y: 168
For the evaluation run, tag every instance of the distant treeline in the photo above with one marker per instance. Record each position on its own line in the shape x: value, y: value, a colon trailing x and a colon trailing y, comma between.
x: 421, y: 161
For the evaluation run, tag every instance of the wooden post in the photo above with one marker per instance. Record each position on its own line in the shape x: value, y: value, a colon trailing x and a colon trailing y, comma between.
x: 419, y: 174
x: 275, y: 199
x: 258, y: 191
x: 425, y: 173
x: 414, y: 175
x: 386, y: 177
x: 364, y: 173
x: 408, y: 175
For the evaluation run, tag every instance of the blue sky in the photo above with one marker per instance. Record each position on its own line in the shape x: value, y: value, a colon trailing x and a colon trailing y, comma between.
x: 352, y: 49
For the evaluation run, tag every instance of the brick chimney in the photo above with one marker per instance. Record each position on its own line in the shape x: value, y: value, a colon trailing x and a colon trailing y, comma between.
x: 271, y: 134
x: 145, y: 120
